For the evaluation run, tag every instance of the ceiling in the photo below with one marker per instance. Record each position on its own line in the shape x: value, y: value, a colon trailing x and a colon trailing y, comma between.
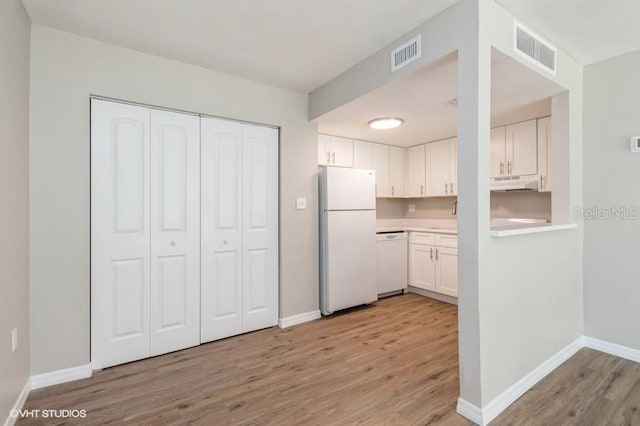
x: 295, y: 44
x: 589, y: 30
x: 421, y: 99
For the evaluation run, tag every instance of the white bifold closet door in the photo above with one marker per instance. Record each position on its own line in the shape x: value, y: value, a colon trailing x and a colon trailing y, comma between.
x: 239, y: 252
x: 145, y: 217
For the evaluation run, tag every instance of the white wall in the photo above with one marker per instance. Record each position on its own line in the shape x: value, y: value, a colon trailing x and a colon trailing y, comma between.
x: 66, y: 69
x: 612, y: 180
x: 14, y: 200
x: 531, y: 296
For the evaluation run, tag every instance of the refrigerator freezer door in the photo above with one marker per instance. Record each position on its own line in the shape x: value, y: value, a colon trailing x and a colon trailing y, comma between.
x: 349, y: 260
x: 349, y: 189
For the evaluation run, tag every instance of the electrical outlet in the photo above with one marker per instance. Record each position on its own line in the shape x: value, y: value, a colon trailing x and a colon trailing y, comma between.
x: 14, y: 339
x: 412, y: 208
x: 301, y: 203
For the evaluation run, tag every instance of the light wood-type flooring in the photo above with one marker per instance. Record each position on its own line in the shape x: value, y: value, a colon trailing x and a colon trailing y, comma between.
x: 392, y: 363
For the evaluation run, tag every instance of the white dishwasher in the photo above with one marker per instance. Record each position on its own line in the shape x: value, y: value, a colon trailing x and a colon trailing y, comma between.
x: 392, y: 261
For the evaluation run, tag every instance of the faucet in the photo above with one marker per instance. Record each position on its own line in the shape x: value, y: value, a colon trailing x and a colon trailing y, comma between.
x: 454, y: 210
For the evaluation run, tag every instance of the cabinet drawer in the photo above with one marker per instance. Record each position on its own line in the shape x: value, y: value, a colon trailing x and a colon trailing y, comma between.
x: 421, y: 238
x: 447, y: 240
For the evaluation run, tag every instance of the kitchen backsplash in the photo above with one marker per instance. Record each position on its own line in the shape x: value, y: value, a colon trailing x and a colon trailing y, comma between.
x: 534, y: 205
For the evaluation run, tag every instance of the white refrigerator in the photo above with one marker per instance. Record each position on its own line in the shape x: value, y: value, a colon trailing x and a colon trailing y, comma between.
x: 348, y: 267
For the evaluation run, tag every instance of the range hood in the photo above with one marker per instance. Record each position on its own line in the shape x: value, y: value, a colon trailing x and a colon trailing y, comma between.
x: 515, y: 183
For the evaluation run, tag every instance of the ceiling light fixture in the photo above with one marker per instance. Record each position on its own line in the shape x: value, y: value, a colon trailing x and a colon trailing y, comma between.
x: 386, y: 123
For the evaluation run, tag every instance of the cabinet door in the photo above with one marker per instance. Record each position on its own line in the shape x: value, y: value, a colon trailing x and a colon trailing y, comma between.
x: 447, y: 271
x: 544, y: 145
x: 416, y: 162
x: 522, y: 148
x: 453, y: 166
x: 175, y: 231
x: 260, y: 227
x: 221, y: 239
x: 381, y: 166
x: 422, y: 266
x: 396, y: 170
x: 341, y: 152
x: 438, y: 168
x: 498, y: 152
x: 120, y: 233
x: 324, y: 144
x: 362, y: 155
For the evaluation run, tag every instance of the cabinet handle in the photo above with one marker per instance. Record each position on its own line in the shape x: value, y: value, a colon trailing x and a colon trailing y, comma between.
x: 431, y: 253
x: 501, y: 168
x: 509, y: 167
x: 421, y: 189
x: 446, y: 188
x: 328, y: 157
x: 542, y: 182
x: 333, y: 155
x: 393, y: 190
x: 451, y: 186
x: 436, y: 254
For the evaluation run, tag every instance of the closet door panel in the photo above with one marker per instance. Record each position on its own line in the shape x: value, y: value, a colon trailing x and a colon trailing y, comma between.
x: 175, y: 231
x: 221, y: 239
x: 260, y: 227
x: 120, y: 232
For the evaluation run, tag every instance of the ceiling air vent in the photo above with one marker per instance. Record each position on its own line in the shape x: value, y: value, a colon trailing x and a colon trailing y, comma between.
x: 534, y: 49
x: 405, y: 54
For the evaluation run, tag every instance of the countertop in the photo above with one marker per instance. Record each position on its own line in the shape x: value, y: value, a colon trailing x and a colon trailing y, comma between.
x: 418, y: 225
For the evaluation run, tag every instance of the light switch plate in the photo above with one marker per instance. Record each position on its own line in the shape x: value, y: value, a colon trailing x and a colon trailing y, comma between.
x: 301, y: 203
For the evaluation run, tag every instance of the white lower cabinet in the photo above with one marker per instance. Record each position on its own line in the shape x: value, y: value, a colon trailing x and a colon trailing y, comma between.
x: 160, y: 282
x: 433, y: 262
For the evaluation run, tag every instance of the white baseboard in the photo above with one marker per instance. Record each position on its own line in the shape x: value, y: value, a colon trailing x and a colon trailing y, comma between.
x: 60, y: 376
x: 484, y: 415
x: 470, y: 411
x: 612, y: 349
x: 299, y: 319
x: 22, y: 398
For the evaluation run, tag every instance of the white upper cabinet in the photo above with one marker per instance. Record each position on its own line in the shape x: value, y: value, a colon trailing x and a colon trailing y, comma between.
x: 380, y: 159
x: 362, y: 155
x: 396, y: 170
x: 498, y: 147
x: 441, y: 167
x: 514, y: 149
x: 544, y: 149
x: 324, y: 150
x: 335, y: 151
x: 416, y: 171
x: 522, y: 148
